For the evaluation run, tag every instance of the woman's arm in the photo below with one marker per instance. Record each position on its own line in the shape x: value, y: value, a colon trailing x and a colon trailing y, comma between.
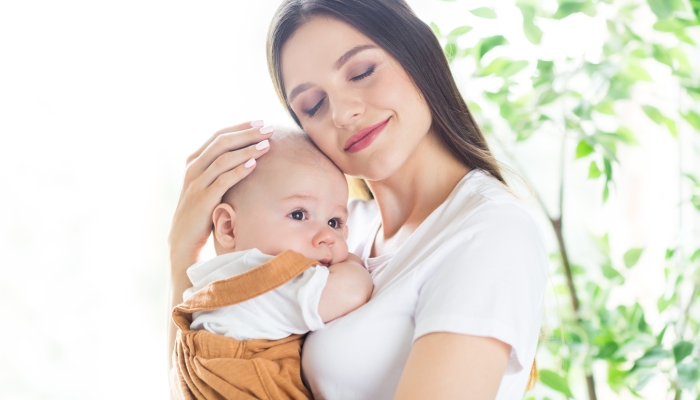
x: 211, y: 170
x: 453, y: 366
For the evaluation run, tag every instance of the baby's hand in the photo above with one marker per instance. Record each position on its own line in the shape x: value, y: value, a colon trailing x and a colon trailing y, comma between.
x: 349, y: 286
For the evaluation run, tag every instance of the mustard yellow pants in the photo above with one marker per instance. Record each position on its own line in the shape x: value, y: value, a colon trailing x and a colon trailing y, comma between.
x: 210, y: 366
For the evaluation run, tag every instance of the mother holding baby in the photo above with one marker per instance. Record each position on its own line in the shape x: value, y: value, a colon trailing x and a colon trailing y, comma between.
x: 458, y: 263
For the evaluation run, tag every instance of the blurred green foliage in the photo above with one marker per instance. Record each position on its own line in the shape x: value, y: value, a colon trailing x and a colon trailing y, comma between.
x: 589, y: 331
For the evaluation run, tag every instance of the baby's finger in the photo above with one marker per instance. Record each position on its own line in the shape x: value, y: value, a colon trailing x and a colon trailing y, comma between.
x: 235, y: 128
x: 231, y: 160
x: 224, y: 143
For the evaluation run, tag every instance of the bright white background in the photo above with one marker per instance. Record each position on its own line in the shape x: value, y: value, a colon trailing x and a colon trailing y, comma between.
x: 100, y: 104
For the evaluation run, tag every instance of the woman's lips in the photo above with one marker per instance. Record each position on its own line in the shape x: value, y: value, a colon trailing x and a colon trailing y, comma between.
x: 364, y: 137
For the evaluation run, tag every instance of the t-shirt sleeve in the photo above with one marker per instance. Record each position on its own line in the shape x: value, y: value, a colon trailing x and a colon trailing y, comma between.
x: 489, y: 281
x: 293, y: 307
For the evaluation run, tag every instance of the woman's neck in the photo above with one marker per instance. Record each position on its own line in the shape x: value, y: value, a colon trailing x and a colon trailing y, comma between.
x: 407, y: 197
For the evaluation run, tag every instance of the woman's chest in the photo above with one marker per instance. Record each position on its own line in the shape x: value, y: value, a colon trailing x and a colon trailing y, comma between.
x: 362, y: 354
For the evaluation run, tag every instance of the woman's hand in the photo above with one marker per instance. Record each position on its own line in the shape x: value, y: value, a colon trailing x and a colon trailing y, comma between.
x: 226, y: 158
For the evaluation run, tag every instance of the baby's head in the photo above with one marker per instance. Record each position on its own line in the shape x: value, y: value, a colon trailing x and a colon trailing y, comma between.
x: 294, y: 199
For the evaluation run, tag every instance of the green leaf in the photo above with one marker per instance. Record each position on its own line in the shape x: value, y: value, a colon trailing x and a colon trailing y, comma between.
x: 663, y: 302
x: 638, y: 73
x: 567, y: 8
x: 497, y: 65
x: 532, y: 32
x: 654, y: 114
x: 652, y: 357
x: 693, y: 119
x: 626, y: 136
x: 605, y: 107
x: 555, y: 381
x: 608, y: 169
x: 487, y: 44
x: 512, y: 68
x: 678, y: 5
x: 688, y: 374
x: 594, y: 171
x: 681, y: 350
x: 457, y: 32
x: 583, y: 149
x: 610, y: 272
x: 643, y: 377
x: 450, y: 51
x: 662, y: 8
x: 435, y: 29
x: 695, y: 255
x: 547, y: 97
x: 662, y: 55
x: 670, y: 253
x: 660, y: 336
x: 631, y: 257
x: 634, y: 344
x: 696, y: 201
x: 671, y: 125
x: 484, y: 12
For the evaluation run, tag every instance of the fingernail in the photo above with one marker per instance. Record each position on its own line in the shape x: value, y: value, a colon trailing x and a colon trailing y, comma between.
x: 249, y: 163
x: 257, y: 123
x: 266, y: 129
x: 263, y: 145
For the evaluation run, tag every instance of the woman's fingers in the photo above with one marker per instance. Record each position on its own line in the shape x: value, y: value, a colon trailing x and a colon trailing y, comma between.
x: 235, y: 128
x: 222, y: 144
x: 228, y: 179
x: 232, y: 160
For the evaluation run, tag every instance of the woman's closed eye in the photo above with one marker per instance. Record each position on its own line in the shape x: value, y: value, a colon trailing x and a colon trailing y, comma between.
x: 363, y: 75
x: 312, y: 111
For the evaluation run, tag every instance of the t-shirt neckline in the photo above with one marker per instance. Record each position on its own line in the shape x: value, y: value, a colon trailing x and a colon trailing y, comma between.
x: 377, y: 223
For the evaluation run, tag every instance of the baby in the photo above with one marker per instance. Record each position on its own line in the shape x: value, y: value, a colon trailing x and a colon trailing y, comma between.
x: 241, y: 323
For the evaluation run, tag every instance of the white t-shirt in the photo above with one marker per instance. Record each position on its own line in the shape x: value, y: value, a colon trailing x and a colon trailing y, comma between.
x: 476, y: 266
x: 290, y: 309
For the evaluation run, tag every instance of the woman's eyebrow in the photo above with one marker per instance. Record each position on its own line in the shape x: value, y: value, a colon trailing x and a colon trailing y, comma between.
x: 341, y: 61
x: 345, y: 57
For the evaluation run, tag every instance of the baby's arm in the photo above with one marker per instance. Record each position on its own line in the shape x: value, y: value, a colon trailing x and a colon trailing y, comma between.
x: 349, y: 286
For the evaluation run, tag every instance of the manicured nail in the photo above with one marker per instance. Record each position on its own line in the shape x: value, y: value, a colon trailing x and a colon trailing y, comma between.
x: 249, y: 163
x: 263, y: 145
x: 266, y: 129
x: 258, y: 123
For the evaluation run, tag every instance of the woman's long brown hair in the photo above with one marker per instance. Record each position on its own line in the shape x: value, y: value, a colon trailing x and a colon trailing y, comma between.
x: 393, y: 26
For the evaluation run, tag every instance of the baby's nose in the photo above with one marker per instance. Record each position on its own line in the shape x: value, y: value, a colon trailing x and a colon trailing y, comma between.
x: 325, y: 236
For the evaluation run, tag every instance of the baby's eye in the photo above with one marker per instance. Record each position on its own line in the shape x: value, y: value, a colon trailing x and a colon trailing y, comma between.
x: 298, y: 215
x: 334, y: 223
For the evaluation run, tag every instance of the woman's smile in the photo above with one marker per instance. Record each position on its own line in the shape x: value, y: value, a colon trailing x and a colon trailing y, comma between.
x: 365, y: 136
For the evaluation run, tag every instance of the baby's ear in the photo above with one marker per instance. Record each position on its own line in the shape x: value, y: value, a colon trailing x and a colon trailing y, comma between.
x: 224, y: 219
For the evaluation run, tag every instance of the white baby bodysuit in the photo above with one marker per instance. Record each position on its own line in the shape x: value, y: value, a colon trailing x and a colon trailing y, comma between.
x: 290, y: 309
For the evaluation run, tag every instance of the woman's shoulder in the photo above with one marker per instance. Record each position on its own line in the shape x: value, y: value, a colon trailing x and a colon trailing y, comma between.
x: 481, y: 196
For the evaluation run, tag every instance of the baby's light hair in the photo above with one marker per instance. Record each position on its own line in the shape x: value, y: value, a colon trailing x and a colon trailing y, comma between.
x: 290, y: 143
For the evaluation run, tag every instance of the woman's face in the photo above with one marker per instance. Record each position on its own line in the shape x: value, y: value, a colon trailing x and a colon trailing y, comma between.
x: 353, y: 99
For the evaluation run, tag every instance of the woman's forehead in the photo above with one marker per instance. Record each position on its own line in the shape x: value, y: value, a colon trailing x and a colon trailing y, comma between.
x: 318, y: 45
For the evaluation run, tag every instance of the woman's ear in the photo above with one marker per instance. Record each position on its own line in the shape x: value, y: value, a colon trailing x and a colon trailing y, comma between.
x: 224, y: 219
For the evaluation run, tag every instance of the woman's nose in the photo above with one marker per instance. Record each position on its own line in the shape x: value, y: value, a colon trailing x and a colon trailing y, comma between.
x: 346, y: 110
x: 325, y: 236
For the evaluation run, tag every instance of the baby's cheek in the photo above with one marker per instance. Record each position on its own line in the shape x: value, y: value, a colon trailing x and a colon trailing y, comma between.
x: 340, y: 249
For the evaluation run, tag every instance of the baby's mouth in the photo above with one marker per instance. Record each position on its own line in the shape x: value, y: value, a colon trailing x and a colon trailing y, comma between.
x: 325, y: 261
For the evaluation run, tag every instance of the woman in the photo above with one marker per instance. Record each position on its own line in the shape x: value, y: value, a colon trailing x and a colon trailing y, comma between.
x: 459, y: 265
